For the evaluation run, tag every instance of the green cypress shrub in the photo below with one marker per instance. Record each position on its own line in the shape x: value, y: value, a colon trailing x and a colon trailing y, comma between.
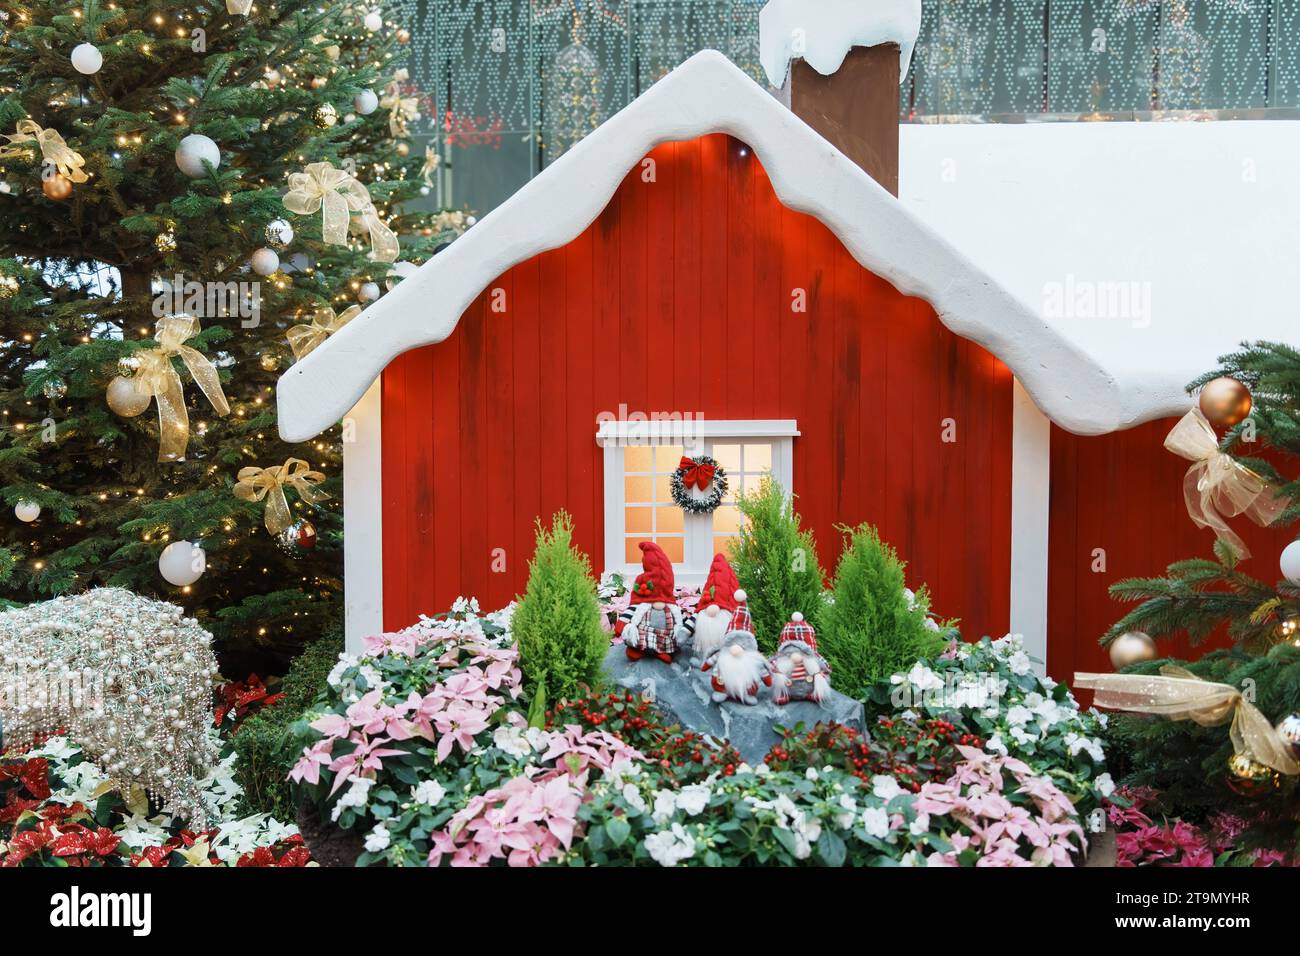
x: 265, y: 751
x: 871, y: 630
x: 776, y: 563
x: 557, y: 622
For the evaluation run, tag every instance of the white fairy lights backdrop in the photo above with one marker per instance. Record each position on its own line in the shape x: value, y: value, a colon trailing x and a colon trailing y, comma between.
x: 511, y: 84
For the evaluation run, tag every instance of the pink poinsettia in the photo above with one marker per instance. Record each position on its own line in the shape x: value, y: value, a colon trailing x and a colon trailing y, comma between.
x: 402, y: 642
x: 458, y: 724
x: 368, y: 756
x: 307, y: 769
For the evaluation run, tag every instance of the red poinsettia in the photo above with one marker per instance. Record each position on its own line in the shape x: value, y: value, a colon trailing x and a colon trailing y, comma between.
x: 77, y: 843
x: 291, y: 853
x: 241, y: 699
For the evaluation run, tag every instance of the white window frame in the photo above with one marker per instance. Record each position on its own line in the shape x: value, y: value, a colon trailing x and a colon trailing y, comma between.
x: 695, y: 436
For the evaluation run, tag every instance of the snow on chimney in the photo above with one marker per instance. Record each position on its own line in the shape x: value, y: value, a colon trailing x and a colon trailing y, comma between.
x: 838, y: 65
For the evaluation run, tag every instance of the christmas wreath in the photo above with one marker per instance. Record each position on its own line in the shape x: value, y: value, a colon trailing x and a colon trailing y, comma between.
x: 702, y: 474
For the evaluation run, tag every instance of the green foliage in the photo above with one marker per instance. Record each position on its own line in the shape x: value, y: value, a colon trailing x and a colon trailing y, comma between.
x: 1198, y: 596
x: 265, y: 750
x: 557, y: 622
x: 1186, y: 762
x: 108, y: 506
x: 776, y: 563
x: 870, y: 629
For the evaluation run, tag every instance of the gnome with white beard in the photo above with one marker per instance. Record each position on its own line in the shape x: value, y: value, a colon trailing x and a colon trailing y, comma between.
x: 798, y: 671
x: 654, y: 623
x: 716, y: 608
x: 738, y: 667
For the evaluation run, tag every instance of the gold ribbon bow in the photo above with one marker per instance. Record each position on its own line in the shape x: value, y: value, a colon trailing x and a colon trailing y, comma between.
x: 303, y: 339
x: 257, y: 483
x: 401, y: 109
x: 53, y: 149
x: 337, y: 194
x: 240, y: 7
x: 159, y: 376
x: 1218, y: 485
x: 431, y: 163
x: 1180, y: 695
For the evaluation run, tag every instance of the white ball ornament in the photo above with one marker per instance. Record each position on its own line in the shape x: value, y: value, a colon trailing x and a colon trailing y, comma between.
x: 741, y: 596
x: 279, y: 232
x: 193, y: 151
x: 368, y: 292
x: 374, y: 22
x: 182, y: 563
x: 128, y: 397
x: 399, y: 271
x: 27, y: 511
x: 86, y: 58
x: 1290, y: 562
x: 265, y: 262
x: 365, y: 102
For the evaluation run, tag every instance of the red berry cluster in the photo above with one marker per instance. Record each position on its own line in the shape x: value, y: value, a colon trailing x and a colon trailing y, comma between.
x: 912, y: 753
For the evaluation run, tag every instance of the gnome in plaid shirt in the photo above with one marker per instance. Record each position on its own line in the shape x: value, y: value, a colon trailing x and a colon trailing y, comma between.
x: 798, y: 671
x: 717, y: 608
x: 654, y: 623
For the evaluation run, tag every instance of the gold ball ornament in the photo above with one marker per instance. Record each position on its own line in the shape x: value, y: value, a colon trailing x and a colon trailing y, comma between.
x: 58, y: 187
x: 1251, y: 779
x: 269, y: 361
x: 403, y: 35
x: 325, y: 116
x: 165, y: 242
x: 1131, y: 648
x: 128, y: 397
x: 403, y: 148
x: 1225, y: 402
x: 318, y: 81
x: 8, y: 287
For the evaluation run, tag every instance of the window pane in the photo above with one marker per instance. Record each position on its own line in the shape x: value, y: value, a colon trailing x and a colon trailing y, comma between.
x: 636, y: 520
x: 637, y: 489
x: 663, y: 489
x: 726, y: 519
x: 668, y: 519
x: 724, y: 544
x: 632, y: 550
x: 667, y: 458
x: 728, y: 456
x: 638, y: 458
x: 675, y: 548
x: 758, y: 458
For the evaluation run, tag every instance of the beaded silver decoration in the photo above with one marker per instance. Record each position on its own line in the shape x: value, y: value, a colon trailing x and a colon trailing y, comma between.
x: 128, y: 679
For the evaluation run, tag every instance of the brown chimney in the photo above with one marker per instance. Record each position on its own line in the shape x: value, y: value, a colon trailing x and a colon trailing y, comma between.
x: 855, y: 108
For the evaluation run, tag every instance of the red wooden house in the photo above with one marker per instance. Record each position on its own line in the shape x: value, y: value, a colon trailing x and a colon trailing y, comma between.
x: 709, y: 270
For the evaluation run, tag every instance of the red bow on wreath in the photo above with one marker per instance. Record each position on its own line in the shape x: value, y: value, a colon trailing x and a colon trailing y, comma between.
x: 697, y: 475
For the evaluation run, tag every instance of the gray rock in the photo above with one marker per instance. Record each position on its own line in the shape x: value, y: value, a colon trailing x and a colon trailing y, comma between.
x: 681, y: 691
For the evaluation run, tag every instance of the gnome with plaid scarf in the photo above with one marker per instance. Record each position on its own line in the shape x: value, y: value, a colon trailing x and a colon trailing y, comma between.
x: 798, y: 671
x: 717, y: 608
x: 654, y: 623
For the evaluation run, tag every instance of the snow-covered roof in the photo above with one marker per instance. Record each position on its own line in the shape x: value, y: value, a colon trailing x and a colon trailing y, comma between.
x: 708, y: 94
x: 822, y: 32
x: 1197, y: 223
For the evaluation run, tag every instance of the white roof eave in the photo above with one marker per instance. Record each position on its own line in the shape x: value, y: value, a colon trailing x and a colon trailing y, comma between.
x: 708, y: 94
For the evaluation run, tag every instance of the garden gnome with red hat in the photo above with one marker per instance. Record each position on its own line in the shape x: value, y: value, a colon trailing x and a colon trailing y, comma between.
x: 798, y: 671
x: 717, y: 608
x: 654, y: 623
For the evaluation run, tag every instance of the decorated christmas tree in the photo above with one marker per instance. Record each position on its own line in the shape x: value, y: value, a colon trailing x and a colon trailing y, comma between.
x: 1223, y: 731
x: 195, y: 194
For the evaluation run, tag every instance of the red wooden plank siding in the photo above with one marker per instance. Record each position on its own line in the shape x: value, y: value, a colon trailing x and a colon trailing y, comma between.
x: 678, y: 298
x: 1123, y: 493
